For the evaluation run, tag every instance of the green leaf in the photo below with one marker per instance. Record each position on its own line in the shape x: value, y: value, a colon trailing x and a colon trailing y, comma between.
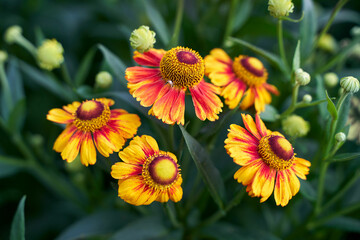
x: 307, y: 28
x: 272, y: 58
x: 307, y: 190
x: 343, y: 114
x: 17, y: 231
x: 296, y: 58
x: 85, y: 66
x: 17, y: 116
x: 243, y: 12
x: 7, y: 170
x: 345, y: 223
x: 270, y: 114
x: 39, y: 36
x: 320, y: 93
x: 331, y: 107
x: 100, y: 223
x: 344, y: 157
x: 144, y: 228
x: 116, y: 65
x: 208, y: 171
x: 16, y: 82
x: 157, y: 21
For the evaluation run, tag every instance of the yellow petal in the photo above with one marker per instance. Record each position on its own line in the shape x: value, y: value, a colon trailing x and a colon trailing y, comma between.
x: 122, y: 170
x: 59, y: 116
x: 87, y: 150
x: 72, y: 148
x: 63, y: 138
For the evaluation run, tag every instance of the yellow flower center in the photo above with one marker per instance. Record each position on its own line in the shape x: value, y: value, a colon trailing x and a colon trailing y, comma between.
x: 182, y: 67
x: 91, y: 115
x: 276, y: 151
x: 250, y: 70
x: 160, y: 172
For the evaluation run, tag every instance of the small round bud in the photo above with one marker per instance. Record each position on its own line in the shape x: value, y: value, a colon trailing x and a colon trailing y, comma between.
x: 327, y: 43
x: 12, y: 34
x: 307, y: 98
x: 142, y: 39
x: 103, y: 80
x: 37, y: 140
x: 355, y: 31
x: 295, y: 126
x: 50, y: 54
x: 350, y: 84
x: 331, y: 79
x: 280, y: 8
x: 340, y: 137
x: 3, y: 56
x: 301, y: 77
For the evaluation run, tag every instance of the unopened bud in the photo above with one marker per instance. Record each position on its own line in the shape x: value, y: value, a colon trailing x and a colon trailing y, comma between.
x: 307, y: 98
x: 280, y: 8
x: 103, y: 80
x: 340, y: 137
x: 295, y: 126
x: 50, y: 54
x: 12, y: 34
x: 3, y: 56
x: 331, y: 79
x: 350, y: 84
x: 142, y: 39
x: 328, y: 43
x: 355, y: 31
x: 301, y: 77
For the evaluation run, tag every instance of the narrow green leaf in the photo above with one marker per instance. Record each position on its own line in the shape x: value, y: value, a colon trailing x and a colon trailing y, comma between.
x: 307, y: 28
x: 17, y: 231
x: 243, y: 12
x: 157, y: 21
x: 17, y: 116
x: 343, y: 114
x: 272, y: 58
x: 7, y: 170
x: 345, y: 223
x: 307, y: 190
x: 297, y: 58
x: 16, y: 83
x: 344, y: 157
x: 270, y: 114
x: 39, y: 36
x: 331, y: 107
x: 208, y: 171
x: 144, y: 228
x: 116, y: 65
x: 85, y: 66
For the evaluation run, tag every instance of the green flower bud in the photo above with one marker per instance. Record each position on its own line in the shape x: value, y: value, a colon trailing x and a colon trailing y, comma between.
x: 340, y: 137
x: 3, y: 57
x: 142, y: 39
x: 301, y: 77
x: 295, y: 126
x: 307, y: 98
x: 50, y: 54
x: 350, y: 84
x: 355, y: 31
x: 103, y: 80
x: 328, y: 43
x: 280, y: 8
x: 331, y: 79
x: 12, y: 34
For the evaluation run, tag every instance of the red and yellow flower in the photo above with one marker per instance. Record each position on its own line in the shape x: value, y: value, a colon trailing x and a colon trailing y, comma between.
x: 147, y: 174
x: 163, y: 84
x: 92, y: 122
x: 243, y: 75
x: 268, y: 161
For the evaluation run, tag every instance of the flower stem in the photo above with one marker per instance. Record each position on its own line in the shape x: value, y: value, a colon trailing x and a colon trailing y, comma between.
x: 281, y: 44
x: 230, y: 20
x: 321, y: 185
x: 171, y: 213
x: 5, y: 88
x: 292, y: 106
x: 27, y: 45
x: 179, y: 16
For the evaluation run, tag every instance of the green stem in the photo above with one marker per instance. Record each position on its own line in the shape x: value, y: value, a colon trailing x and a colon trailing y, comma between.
x: 179, y: 16
x: 320, y: 191
x: 170, y: 135
x: 27, y: 45
x: 16, y: 162
x: 230, y: 20
x: 281, y: 44
x: 293, y: 105
x: 5, y: 88
x: 342, y: 191
x: 171, y: 214
x: 337, y: 8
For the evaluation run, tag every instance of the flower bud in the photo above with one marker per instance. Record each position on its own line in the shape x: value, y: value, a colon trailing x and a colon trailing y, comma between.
x: 3, y: 56
x: 340, y: 137
x: 50, y: 54
x: 328, y: 43
x: 103, y: 80
x: 301, y: 77
x: 280, y: 8
x: 307, y: 98
x: 12, y: 34
x: 331, y: 79
x: 355, y: 31
x: 350, y: 84
x: 295, y: 126
x: 142, y: 39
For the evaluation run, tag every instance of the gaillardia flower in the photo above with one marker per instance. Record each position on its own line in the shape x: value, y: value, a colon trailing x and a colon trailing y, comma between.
x: 147, y: 174
x: 268, y: 161
x: 91, y: 122
x: 235, y: 76
x: 163, y: 84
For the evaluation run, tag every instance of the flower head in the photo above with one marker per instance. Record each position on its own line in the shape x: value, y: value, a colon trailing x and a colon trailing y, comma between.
x: 103, y: 79
x: 242, y: 76
x: 331, y: 79
x: 350, y: 84
x: 163, y: 84
x: 280, y: 8
x: 142, y: 39
x: 91, y: 122
x: 295, y: 126
x: 50, y: 54
x: 3, y: 56
x: 12, y: 34
x: 147, y: 174
x: 268, y: 161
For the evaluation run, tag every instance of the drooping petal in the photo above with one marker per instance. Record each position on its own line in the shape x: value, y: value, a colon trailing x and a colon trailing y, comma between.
x: 131, y: 188
x: 150, y: 58
x: 301, y: 167
x: 63, y: 138
x: 271, y: 88
x: 87, y: 150
x: 294, y: 182
x: 282, y: 189
x: 139, y: 149
x: 250, y: 125
x: 104, y: 144
x: 260, y: 126
x: 175, y: 193
x: 245, y: 175
x: 248, y: 99
x: 233, y: 92
x: 259, y: 100
x: 125, y: 124
x: 122, y: 170
x: 71, y: 150
x: 163, y: 196
x: 60, y: 116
